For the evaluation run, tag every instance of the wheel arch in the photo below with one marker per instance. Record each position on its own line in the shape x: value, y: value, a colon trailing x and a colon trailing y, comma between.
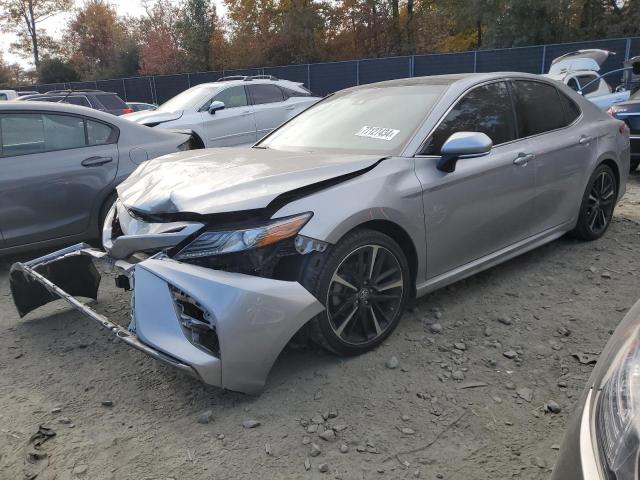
x: 614, y: 166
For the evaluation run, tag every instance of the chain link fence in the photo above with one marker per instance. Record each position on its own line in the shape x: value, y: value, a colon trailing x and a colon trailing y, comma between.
x: 328, y: 77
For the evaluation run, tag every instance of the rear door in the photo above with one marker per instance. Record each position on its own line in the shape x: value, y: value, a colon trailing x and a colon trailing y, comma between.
x: 270, y: 107
x: 54, y: 167
x: 562, y: 144
x: 233, y: 125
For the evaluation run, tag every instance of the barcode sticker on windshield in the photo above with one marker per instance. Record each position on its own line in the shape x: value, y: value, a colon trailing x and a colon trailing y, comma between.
x: 380, y: 133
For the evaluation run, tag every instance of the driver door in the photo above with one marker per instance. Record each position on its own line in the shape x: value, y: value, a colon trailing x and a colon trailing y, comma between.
x: 233, y: 125
x: 485, y: 204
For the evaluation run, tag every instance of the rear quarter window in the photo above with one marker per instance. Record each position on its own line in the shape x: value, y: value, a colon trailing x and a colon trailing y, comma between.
x: 111, y: 102
x: 539, y: 108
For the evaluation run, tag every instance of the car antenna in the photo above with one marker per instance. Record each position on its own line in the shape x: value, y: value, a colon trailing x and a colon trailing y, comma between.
x: 66, y: 96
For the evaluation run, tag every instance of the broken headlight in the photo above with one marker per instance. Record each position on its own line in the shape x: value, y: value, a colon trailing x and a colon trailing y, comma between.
x: 618, y: 414
x: 210, y: 243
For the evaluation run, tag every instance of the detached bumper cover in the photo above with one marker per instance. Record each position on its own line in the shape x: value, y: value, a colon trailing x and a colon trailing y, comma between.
x: 254, y: 317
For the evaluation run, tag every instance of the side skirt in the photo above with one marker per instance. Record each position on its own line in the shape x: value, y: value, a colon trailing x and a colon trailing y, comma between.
x: 493, y: 259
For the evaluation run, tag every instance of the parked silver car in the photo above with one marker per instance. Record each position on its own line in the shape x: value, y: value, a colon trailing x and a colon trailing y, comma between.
x: 232, y: 111
x: 60, y: 167
x: 602, y: 441
x: 331, y: 224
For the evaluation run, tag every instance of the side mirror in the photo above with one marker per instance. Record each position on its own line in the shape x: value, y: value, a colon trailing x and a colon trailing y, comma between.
x: 636, y: 68
x: 462, y: 145
x: 215, y: 106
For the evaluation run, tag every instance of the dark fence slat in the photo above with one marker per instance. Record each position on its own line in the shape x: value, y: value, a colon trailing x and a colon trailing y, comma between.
x: 204, y: 77
x: 442, y: 63
x: 139, y: 89
x: 295, y: 73
x: 526, y: 59
x: 380, y: 69
x: 168, y: 86
x: 330, y: 77
x: 116, y: 86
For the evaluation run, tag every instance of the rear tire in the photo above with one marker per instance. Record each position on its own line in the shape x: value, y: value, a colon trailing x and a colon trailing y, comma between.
x: 598, y: 203
x: 364, y: 283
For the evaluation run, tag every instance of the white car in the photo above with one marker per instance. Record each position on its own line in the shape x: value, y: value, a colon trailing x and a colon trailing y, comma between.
x: 231, y: 111
x: 8, y: 95
x: 579, y: 70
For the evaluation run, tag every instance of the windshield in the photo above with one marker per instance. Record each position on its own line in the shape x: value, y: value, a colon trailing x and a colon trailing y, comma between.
x: 376, y: 120
x: 189, y: 99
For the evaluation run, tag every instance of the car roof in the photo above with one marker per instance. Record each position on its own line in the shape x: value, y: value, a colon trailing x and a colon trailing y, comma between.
x: 58, y: 107
x: 462, y: 80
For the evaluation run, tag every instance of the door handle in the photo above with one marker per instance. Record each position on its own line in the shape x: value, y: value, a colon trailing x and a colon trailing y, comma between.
x: 523, y: 158
x: 95, y: 161
x: 586, y: 140
x: 290, y: 108
x: 247, y: 113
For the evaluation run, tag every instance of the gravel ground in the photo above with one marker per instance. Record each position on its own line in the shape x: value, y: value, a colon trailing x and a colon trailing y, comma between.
x: 440, y: 399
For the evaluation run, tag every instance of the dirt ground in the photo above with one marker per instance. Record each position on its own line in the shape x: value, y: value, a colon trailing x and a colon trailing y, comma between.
x: 455, y: 406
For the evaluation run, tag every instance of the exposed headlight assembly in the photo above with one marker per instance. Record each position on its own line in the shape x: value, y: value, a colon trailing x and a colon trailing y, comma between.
x: 211, y: 243
x: 618, y: 414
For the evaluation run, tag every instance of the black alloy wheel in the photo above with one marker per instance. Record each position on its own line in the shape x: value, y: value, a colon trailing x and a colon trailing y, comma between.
x: 365, y: 294
x: 601, y: 202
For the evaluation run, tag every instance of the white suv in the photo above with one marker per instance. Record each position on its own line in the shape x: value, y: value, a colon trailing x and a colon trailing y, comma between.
x: 231, y: 111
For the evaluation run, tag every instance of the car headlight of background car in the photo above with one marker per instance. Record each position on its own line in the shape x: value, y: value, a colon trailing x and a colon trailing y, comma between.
x: 211, y: 243
x: 617, y: 422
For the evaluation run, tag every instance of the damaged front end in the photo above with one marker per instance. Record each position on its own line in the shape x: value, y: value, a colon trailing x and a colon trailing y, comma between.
x: 215, y: 303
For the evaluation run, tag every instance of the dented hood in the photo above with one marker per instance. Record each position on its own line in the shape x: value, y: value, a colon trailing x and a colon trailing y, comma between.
x: 230, y: 179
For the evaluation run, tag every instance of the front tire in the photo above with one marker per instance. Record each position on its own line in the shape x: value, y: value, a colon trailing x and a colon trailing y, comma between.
x: 364, y: 282
x: 598, y: 202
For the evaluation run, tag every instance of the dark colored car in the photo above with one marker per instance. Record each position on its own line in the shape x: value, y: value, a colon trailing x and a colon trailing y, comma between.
x: 108, y: 102
x: 629, y: 113
x: 602, y: 441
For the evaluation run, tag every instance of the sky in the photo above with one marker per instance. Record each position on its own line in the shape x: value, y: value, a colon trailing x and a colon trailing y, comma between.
x: 55, y: 26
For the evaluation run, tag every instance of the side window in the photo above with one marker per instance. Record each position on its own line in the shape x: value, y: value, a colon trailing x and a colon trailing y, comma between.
x: 571, y: 109
x: 265, y: 93
x: 484, y: 109
x: 99, y: 133
x: 3, y: 96
x: 28, y: 133
x: 538, y: 106
x: 573, y: 84
x: 585, y: 81
x: 232, y: 97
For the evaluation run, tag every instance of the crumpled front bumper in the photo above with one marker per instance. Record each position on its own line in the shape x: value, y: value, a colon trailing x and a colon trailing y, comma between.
x: 254, y: 317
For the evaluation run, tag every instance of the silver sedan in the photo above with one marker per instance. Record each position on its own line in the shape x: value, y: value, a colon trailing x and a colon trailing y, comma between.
x: 331, y: 224
x: 61, y: 164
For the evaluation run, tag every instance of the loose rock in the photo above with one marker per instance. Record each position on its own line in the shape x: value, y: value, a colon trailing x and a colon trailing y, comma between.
x: 328, y: 435
x: 251, y: 423
x: 510, y: 354
x: 552, y: 407
x: 323, y: 468
x: 436, y: 328
x: 315, y: 450
x: 205, y: 417
x: 393, y: 362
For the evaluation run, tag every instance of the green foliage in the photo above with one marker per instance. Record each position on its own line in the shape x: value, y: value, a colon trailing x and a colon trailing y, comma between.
x: 195, y: 28
x: 56, y: 70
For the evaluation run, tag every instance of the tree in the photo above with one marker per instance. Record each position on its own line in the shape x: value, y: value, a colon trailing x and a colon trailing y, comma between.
x: 160, y: 51
x: 195, y: 28
x: 23, y: 17
x: 96, y: 36
x: 56, y: 70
